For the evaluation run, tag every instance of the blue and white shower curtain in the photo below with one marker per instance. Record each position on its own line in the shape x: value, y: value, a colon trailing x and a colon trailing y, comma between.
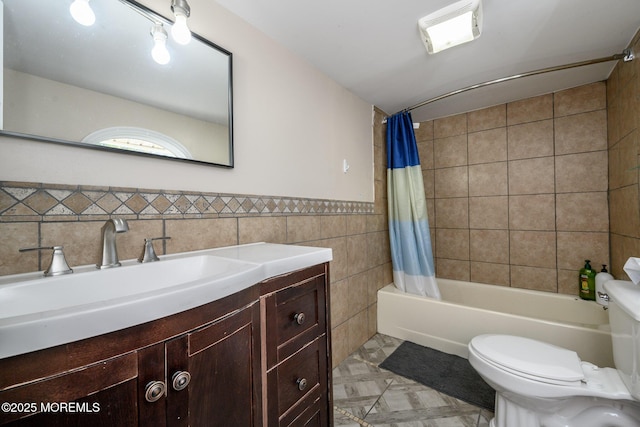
x: 411, y: 253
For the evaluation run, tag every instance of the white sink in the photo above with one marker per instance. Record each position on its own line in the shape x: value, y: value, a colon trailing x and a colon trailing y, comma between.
x: 48, y: 311
x: 37, y: 312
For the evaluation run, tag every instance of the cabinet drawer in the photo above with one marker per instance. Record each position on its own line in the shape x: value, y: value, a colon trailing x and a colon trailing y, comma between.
x: 295, y: 316
x: 298, y: 382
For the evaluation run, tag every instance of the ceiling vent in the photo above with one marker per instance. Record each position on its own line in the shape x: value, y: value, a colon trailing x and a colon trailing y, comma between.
x: 458, y: 23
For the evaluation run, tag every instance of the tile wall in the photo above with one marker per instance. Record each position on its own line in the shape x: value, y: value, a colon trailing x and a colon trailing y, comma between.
x: 518, y: 192
x: 40, y: 214
x: 623, y: 102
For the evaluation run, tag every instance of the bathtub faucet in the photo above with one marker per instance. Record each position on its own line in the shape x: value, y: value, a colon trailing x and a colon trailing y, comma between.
x: 109, y: 248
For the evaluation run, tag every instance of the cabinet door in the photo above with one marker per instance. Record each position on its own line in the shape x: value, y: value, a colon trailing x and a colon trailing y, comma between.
x: 213, y: 374
x: 101, y: 394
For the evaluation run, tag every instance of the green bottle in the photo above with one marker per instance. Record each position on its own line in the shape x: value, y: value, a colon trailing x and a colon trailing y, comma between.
x: 587, y: 282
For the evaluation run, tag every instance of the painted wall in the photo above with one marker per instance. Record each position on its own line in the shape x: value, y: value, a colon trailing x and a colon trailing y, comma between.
x: 293, y: 126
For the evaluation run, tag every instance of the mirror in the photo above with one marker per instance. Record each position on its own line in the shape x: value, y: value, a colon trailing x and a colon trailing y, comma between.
x: 98, y: 86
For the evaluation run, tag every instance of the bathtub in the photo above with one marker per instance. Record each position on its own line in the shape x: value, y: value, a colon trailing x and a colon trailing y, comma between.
x: 468, y: 309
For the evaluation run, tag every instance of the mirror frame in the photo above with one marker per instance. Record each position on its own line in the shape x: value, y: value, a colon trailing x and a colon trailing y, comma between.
x: 146, y: 10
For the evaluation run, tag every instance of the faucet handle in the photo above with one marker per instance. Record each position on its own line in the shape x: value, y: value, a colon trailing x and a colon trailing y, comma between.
x: 148, y: 253
x: 58, y: 264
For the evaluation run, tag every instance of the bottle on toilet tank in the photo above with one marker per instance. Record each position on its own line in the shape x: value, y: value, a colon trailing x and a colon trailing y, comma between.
x: 587, y: 282
x: 601, y: 278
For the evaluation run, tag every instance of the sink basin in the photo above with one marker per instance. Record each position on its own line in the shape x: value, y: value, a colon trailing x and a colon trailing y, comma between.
x: 38, y: 312
x: 45, y: 311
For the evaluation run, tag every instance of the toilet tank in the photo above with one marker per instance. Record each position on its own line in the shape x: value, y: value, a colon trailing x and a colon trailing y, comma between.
x: 624, y: 318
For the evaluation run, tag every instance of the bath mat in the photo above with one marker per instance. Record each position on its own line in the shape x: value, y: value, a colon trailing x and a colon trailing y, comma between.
x: 447, y: 373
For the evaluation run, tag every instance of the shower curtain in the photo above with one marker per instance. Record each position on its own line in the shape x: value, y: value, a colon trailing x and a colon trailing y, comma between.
x: 411, y: 252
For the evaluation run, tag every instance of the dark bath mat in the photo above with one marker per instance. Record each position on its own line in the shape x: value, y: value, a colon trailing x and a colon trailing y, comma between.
x: 447, y: 373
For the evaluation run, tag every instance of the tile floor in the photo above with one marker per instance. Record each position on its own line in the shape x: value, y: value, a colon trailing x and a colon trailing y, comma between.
x: 366, y: 395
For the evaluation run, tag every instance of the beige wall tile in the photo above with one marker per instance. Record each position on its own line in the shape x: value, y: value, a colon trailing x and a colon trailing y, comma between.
x: 452, y: 182
x: 489, y: 246
x: 530, y: 110
x: 623, y: 161
x: 568, y: 282
x: 487, y: 118
x: 358, y: 330
x: 488, y: 179
x: 450, y: 151
x: 356, y: 224
x: 429, y: 183
x: 452, y: 269
x: 489, y: 212
x: 450, y: 126
x: 488, y: 146
x: 425, y: 153
x: 582, y: 211
x: 452, y: 213
x: 575, y: 247
x: 582, y: 172
x: 335, y: 225
x: 534, y: 278
x: 580, y: 99
x: 581, y: 132
x: 532, y: 212
x: 303, y: 228
x: 262, y: 229
x: 357, y: 288
x: 425, y: 131
x: 624, y: 211
x: 356, y: 254
x: 533, y: 248
x: 492, y: 274
x: 340, y: 304
x: 452, y: 243
x: 531, y: 176
x: 194, y: 234
x: 15, y: 236
x: 529, y: 140
x: 339, y: 343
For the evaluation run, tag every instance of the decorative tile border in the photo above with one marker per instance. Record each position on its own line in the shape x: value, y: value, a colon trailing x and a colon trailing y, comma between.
x: 24, y: 201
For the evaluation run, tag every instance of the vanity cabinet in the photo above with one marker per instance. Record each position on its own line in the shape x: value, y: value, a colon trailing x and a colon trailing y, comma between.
x: 259, y: 357
x: 154, y: 374
x: 297, y: 362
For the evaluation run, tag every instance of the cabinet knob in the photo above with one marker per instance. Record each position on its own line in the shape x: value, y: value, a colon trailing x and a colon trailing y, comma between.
x: 154, y: 391
x: 302, y: 383
x: 299, y: 318
x: 180, y: 380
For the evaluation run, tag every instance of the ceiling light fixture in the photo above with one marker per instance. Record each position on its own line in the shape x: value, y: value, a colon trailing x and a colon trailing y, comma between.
x: 82, y: 12
x: 160, y: 53
x: 180, y: 31
x: 458, y: 23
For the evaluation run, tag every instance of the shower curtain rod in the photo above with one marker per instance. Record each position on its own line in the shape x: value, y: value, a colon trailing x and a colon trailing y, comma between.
x: 626, y: 55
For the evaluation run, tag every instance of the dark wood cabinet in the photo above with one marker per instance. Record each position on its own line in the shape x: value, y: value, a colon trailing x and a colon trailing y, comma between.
x: 260, y: 357
x: 298, y: 354
x: 197, y: 368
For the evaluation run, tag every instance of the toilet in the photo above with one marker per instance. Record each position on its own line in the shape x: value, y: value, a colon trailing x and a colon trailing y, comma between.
x: 540, y: 384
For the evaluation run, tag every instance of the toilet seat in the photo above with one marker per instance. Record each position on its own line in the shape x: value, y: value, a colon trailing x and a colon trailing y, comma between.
x: 531, y: 359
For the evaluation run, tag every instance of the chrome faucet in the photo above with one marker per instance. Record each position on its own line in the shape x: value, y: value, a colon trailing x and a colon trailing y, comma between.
x: 109, y: 248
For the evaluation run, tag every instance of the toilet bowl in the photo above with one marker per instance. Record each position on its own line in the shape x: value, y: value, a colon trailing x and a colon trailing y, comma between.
x: 540, y: 384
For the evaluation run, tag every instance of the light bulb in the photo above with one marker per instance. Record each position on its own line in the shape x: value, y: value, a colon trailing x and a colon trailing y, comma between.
x: 180, y: 31
x: 82, y: 12
x: 159, y: 53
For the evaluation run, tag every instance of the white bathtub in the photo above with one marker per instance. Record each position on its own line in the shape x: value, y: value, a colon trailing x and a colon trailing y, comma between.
x: 468, y: 309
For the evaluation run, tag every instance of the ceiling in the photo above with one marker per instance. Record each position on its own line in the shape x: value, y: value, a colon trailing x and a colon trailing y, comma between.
x: 373, y: 48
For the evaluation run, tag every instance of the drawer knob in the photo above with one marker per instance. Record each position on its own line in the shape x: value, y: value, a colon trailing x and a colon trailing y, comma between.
x: 302, y: 383
x: 154, y: 391
x: 180, y: 380
x: 299, y: 318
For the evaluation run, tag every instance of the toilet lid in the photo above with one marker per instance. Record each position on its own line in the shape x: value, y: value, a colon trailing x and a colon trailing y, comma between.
x: 530, y: 357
